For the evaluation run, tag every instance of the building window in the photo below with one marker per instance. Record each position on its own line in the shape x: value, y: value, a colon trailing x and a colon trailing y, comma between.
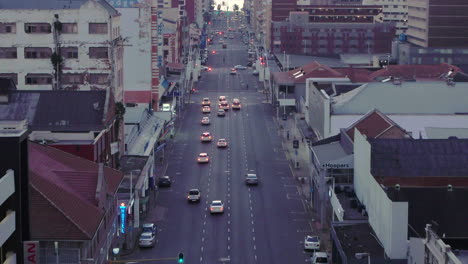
x: 166, y: 42
x: 69, y: 28
x: 13, y: 76
x: 72, y: 78
x: 97, y: 28
x: 37, y: 28
x: 165, y: 54
x: 35, y: 78
x: 6, y: 28
x: 8, y: 53
x: 98, y: 78
x: 37, y: 53
x: 70, y: 52
x: 98, y: 53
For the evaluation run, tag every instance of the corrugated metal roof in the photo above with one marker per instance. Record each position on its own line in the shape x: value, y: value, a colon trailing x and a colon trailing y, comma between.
x: 52, y: 4
x: 57, y: 110
x: 419, y: 157
x: 406, y: 98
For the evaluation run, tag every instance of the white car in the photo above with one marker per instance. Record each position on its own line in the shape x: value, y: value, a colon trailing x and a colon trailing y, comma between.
x: 206, y: 102
x: 240, y: 67
x: 312, y: 243
x: 206, y: 110
x: 205, y: 137
x: 222, y: 98
x: 194, y: 195
x: 203, y: 158
x: 236, y: 104
x: 216, y: 206
x: 147, y: 239
x: 222, y: 143
x: 205, y: 120
x: 319, y: 258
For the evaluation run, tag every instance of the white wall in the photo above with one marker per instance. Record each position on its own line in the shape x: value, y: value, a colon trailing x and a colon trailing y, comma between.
x: 90, y: 12
x: 388, y: 219
x: 415, y: 250
x: 136, y: 27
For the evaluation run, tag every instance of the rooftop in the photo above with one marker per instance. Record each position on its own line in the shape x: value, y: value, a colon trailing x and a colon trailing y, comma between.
x: 57, y: 110
x: 293, y: 61
x: 404, y: 98
x: 52, y: 4
x: 437, y: 206
x: 64, y: 202
x: 419, y: 157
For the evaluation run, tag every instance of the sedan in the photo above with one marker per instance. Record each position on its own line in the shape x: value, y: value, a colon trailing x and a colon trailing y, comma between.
x: 216, y: 207
x: 255, y: 73
x: 206, y: 102
x: 251, y: 179
x: 205, y: 137
x: 240, y: 67
x: 312, y: 243
x: 206, y: 110
x: 205, y: 120
x: 147, y: 239
x: 203, y: 158
x: 194, y: 195
x: 221, y: 112
x: 233, y: 71
x: 164, y: 181
x: 222, y: 143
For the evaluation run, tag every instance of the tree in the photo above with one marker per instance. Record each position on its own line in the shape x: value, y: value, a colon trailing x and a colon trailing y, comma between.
x: 235, y: 8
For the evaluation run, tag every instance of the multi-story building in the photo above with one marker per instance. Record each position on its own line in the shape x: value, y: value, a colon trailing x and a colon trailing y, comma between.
x: 57, y: 45
x: 436, y: 33
x: 396, y: 12
x: 14, y: 195
x: 331, y: 31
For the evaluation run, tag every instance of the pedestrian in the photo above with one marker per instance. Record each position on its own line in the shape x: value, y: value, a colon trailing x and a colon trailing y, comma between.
x: 287, y: 134
x: 247, y: 86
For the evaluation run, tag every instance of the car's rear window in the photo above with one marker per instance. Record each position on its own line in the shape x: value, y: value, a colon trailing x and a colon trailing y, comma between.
x: 206, y: 134
x: 193, y: 192
x: 147, y: 229
x: 313, y: 239
x: 217, y: 204
x: 321, y: 260
x: 146, y: 236
x: 236, y: 102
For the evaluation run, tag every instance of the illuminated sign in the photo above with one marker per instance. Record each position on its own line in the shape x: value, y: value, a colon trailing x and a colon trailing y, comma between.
x: 123, y: 216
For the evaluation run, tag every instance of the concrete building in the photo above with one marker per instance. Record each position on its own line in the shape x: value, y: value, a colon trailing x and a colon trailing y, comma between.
x: 436, y: 34
x: 14, y: 194
x: 396, y: 12
x: 331, y: 30
x: 52, y: 45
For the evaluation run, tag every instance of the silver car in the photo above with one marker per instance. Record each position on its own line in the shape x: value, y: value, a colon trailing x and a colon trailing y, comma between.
x: 251, y: 179
x: 147, y: 239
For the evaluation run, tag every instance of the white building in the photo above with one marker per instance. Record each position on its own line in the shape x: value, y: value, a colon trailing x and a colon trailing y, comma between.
x: 393, y: 12
x: 84, y: 34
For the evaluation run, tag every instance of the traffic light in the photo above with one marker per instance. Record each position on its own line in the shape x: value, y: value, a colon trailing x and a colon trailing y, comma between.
x: 181, y: 257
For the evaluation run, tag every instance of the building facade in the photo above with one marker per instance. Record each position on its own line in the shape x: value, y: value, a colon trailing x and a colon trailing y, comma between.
x: 396, y: 12
x: 326, y: 35
x: 75, y: 47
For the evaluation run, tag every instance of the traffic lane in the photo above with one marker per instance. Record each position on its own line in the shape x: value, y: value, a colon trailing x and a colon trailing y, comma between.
x: 278, y: 203
x: 242, y: 244
x: 215, y: 244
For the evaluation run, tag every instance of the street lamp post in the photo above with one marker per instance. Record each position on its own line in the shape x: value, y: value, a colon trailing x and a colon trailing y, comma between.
x: 363, y: 255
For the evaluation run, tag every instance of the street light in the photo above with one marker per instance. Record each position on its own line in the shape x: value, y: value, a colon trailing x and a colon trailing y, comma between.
x: 363, y: 255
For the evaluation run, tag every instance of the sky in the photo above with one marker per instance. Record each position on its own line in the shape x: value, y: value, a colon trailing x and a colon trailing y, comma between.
x: 231, y: 3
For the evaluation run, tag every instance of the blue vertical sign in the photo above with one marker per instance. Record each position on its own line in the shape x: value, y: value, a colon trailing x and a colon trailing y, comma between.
x: 123, y: 217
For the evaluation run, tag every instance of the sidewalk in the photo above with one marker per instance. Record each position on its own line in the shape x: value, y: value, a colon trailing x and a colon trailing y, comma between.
x: 299, y: 163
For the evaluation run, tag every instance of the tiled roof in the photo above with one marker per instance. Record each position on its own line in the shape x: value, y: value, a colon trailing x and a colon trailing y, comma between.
x: 410, y: 72
x: 375, y: 124
x: 59, y: 110
x: 64, y: 187
x: 311, y: 70
x: 419, y: 157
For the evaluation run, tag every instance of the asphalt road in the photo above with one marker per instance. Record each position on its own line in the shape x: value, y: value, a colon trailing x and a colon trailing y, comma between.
x: 262, y: 224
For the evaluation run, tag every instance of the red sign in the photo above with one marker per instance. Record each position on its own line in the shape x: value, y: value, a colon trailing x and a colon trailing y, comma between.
x: 31, y: 252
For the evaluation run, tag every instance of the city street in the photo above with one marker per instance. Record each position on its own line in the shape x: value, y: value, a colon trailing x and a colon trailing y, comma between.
x: 260, y: 224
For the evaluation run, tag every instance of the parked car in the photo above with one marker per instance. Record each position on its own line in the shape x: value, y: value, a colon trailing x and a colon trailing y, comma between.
x: 319, y: 258
x: 255, y: 73
x: 164, y: 181
x: 149, y: 228
x: 147, y: 239
x: 312, y: 243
